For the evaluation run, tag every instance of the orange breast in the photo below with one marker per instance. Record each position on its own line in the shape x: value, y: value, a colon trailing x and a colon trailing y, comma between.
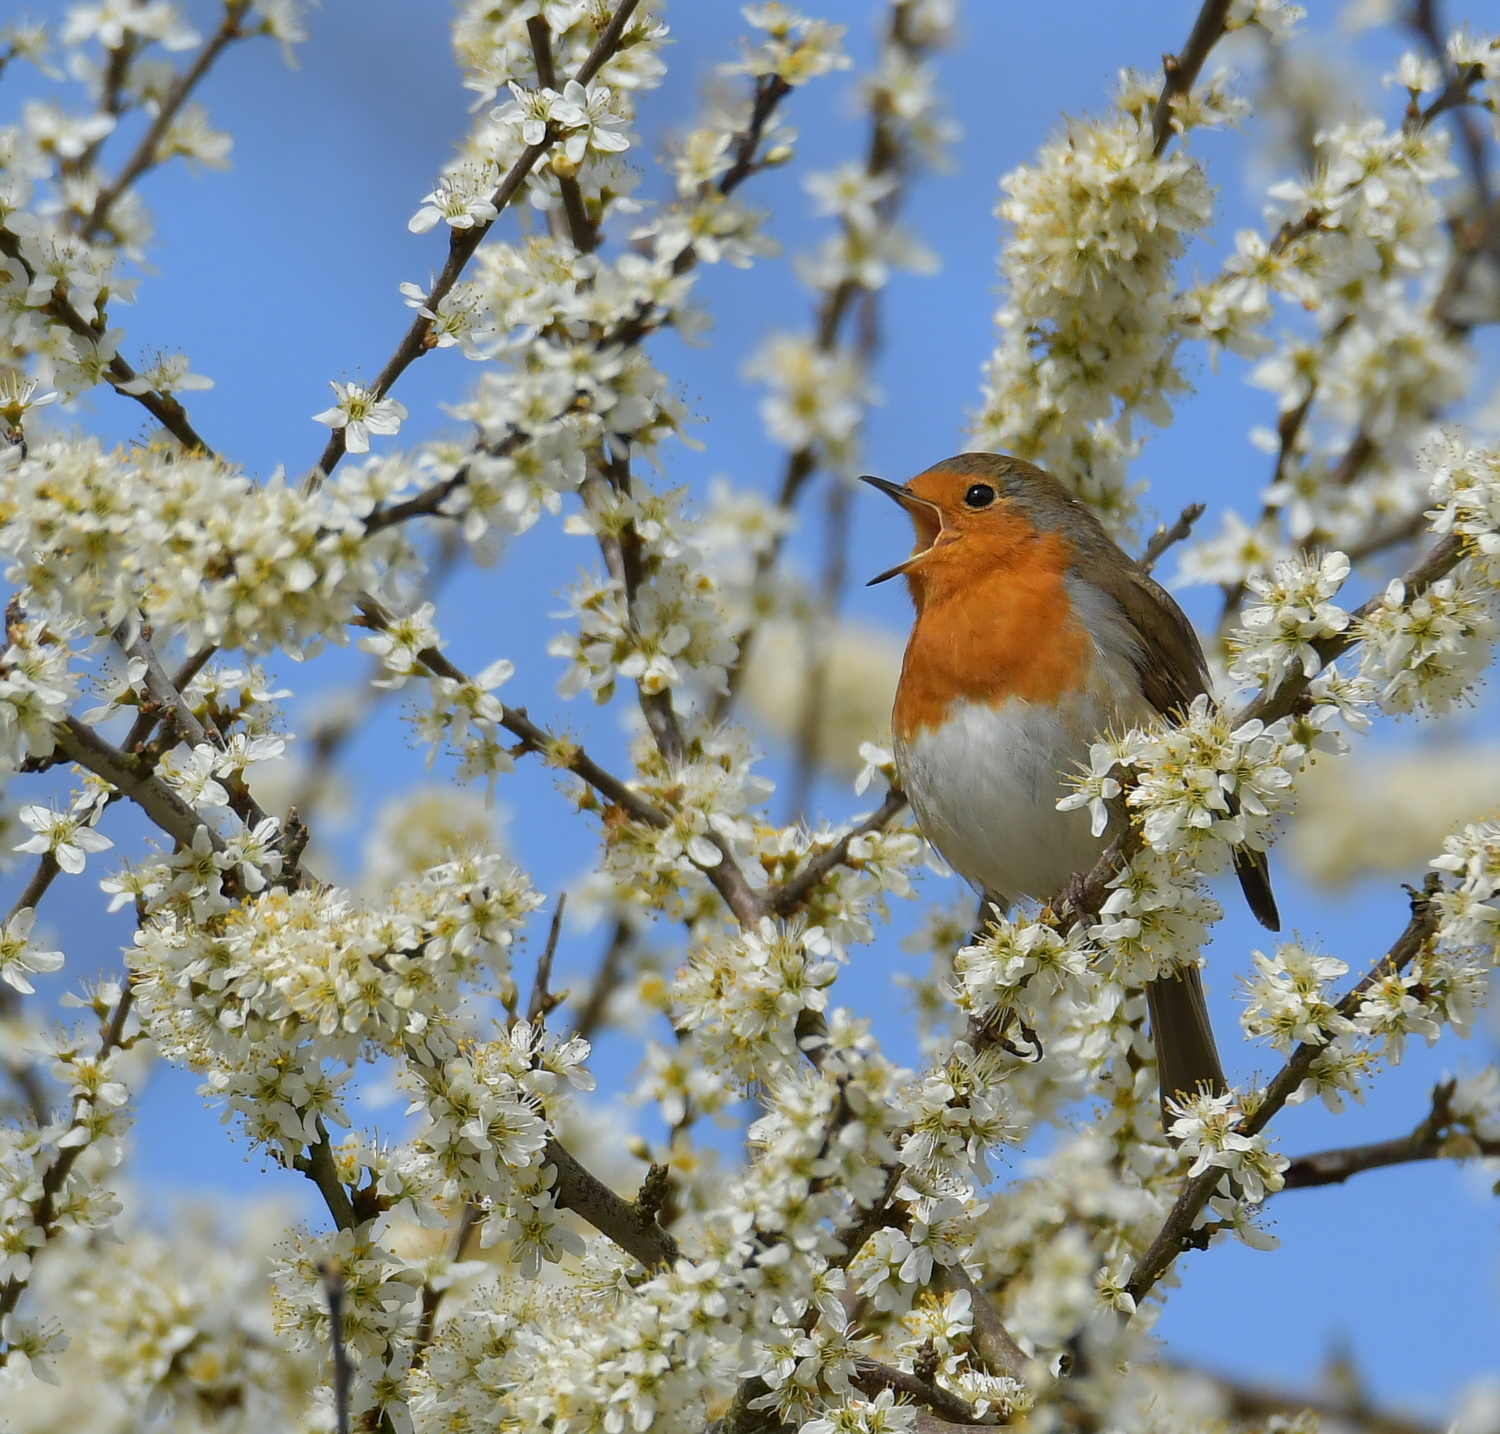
x: 992, y: 624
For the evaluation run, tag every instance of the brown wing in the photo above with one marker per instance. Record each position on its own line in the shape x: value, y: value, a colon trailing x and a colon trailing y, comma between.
x: 1171, y: 662
x: 1173, y: 672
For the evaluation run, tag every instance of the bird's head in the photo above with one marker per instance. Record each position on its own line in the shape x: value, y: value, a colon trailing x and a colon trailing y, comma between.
x: 971, y: 513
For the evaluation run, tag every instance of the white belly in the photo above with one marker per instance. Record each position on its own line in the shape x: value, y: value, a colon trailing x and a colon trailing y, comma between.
x: 985, y: 787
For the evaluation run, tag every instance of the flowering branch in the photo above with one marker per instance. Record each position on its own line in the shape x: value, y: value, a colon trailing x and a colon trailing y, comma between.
x: 81, y: 744
x: 784, y: 900
x: 145, y: 156
x: 164, y: 691
x: 1180, y: 71
x: 462, y: 243
x: 1435, y: 565
x: 1433, y: 1139
x: 873, y: 1377
x: 44, y: 1210
x: 1179, y: 1226
x: 163, y: 407
x: 581, y: 229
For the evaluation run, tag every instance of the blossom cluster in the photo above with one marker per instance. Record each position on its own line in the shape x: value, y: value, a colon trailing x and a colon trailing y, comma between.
x: 1359, y: 244
x: 1090, y: 325
x: 512, y: 1258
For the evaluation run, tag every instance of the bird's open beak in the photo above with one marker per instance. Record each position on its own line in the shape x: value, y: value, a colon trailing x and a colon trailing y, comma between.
x: 924, y: 514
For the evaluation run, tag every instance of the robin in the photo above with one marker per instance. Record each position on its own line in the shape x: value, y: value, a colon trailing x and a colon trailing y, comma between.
x: 1034, y: 634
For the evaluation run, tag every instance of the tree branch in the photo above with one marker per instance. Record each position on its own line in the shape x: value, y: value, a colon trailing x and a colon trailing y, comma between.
x: 1256, y: 1402
x: 582, y: 1192
x: 1164, y: 537
x: 1433, y: 1139
x: 174, y: 816
x: 1172, y: 1239
x: 145, y: 156
x: 871, y: 1377
x: 784, y: 900
x: 462, y: 243
x: 1181, y: 70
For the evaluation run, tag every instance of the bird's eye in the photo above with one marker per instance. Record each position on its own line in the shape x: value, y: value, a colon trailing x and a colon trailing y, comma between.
x: 980, y: 495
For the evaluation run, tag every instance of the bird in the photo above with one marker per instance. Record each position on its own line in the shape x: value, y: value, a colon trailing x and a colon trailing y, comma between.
x: 1035, y: 634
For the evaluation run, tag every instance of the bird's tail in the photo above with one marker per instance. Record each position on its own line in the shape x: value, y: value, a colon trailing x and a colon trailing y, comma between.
x: 1187, y: 1059
x: 1254, y: 872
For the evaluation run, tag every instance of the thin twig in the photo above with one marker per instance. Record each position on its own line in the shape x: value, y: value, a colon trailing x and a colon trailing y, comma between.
x: 543, y: 1002
x: 462, y: 243
x: 885, y: 156
x: 640, y: 325
x: 165, y: 409
x: 333, y: 1290
x: 1178, y: 1228
x: 145, y: 155
x: 871, y: 1377
x: 1433, y: 1139
x: 1425, y: 21
x: 784, y: 900
x: 1181, y: 70
x: 431, y: 1298
x: 1255, y: 1403
x: 725, y: 875
x: 164, y: 692
x: 1164, y: 537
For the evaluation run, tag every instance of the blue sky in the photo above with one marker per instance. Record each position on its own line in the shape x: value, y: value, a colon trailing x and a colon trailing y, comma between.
x: 284, y: 273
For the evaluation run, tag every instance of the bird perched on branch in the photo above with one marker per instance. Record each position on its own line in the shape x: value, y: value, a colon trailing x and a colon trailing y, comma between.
x: 1035, y: 633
